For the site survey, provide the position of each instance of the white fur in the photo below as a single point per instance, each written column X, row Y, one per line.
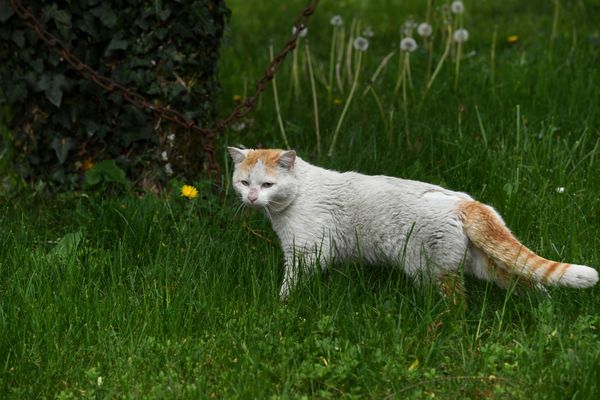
column 321, row 215
column 578, row 276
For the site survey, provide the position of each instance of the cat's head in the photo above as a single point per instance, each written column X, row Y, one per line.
column 264, row 178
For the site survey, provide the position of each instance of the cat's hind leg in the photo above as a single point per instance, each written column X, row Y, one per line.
column 451, row 286
column 483, row 267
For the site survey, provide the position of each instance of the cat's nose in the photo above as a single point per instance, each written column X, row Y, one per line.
column 252, row 196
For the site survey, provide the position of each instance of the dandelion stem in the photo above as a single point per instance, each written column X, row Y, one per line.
column 401, row 67
column 408, row 74
column 378, row 102
column 332, row 61
column 554, row 27
column 429, row 39
column 429, row 46
column 314, row 97
column 340, row 55
column 439, row 65
column 460, row 124
column 405, row 103
column 277, row 108
column 481, row 128
column 349, row 51
column 346, row 106
column 380, row 68
column 493, row 57
column 295, row 83
column 457, row 64
column 518, row 121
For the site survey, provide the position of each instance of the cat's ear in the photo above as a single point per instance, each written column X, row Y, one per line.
column 287, row 159
column 237, row 155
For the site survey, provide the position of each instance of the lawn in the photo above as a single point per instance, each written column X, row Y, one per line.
column 143, row 296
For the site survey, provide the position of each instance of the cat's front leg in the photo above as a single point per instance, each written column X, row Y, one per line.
column 301, row 263
column 291, row 275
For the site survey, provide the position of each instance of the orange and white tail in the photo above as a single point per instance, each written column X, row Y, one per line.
column 487, row 231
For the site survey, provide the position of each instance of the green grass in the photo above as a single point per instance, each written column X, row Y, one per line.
column 155, row 297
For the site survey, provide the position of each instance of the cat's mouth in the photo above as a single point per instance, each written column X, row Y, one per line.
column 255, row 204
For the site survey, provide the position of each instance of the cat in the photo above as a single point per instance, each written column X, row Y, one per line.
column 321, row 216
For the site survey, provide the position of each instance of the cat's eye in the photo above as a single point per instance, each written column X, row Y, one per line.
column 267, row 185
column 245, row 183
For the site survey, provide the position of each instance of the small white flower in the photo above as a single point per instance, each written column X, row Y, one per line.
column 408, row 44
column 361, row 44
column 560, row 189
column 336, row 20
column 171, row 137
column 168, row 169
column 99, row 381
column 457, row 7
column 303, row 31
column 368, row 32
column 461, row 35
column 164, row 156
column 408, row 27
column 238, row 126
column 424, row 29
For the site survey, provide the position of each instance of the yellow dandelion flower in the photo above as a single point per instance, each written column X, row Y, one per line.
column 512, row 39
column 337, row 101
column 237, row 97
column 189, row 191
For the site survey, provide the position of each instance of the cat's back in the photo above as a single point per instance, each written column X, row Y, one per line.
column 354, row 189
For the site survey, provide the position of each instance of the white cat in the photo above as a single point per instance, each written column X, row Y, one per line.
column 321, row 215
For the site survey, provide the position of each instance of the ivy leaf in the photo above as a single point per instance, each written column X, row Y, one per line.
column 19, row 38
column 164, row 14
column 62, row 147
column 88, row 25
column 53, row 88
column 61, row 17
column 117, row 43
column 6, row 11
column 105, row 14
column 17, row 92
column 106, row 170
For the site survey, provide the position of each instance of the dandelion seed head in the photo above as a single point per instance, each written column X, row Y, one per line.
column 168, row 169
column 303, row 31
column 361, row 44
column 189, row 191
column 457, row 7
column 408, row 44
column 461, row 35
column 408, row 27
column 368, row 32
column 336, row 20
column 238, row 126
column 424, row 29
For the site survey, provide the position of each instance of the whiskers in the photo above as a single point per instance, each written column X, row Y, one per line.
column 274, row 206
column 239, row 208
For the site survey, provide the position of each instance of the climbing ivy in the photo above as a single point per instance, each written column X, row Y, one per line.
column 55, row 123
